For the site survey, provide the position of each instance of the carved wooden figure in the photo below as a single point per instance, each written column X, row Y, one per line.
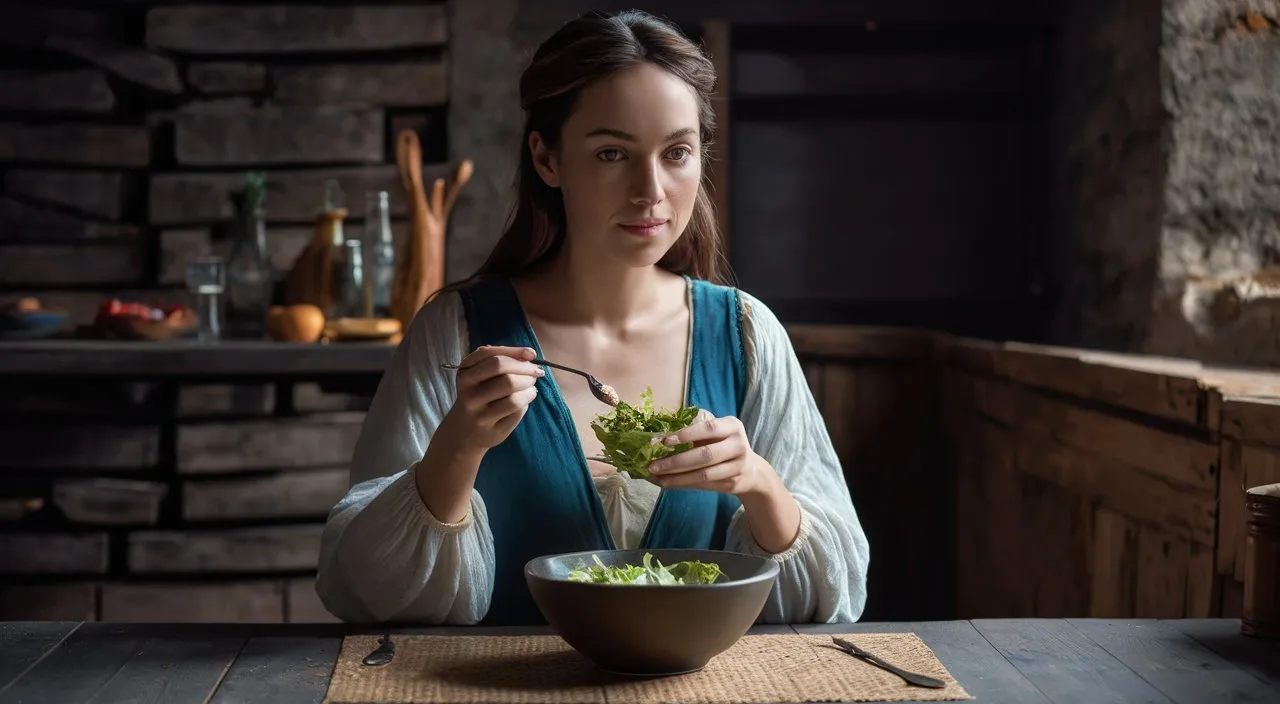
column 420, row 265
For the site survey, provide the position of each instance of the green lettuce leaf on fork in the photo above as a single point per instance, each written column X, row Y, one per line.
column 632, row 437
column 650, row 573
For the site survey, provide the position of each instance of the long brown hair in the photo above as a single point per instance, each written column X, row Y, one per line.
column 581, row 52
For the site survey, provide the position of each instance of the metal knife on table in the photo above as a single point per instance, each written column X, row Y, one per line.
column 914, row 678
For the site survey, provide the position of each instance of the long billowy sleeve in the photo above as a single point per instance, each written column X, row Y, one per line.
column 823, row 575
column 383, row 555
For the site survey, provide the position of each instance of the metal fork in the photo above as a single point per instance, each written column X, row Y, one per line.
column 604, row 392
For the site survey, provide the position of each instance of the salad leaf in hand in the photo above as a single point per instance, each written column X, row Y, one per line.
column 632, row 437
column 652, row 572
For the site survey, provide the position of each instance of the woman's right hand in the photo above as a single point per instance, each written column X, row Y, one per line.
column 495, row 388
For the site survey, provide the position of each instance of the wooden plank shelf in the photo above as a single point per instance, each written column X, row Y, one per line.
column 191, row 359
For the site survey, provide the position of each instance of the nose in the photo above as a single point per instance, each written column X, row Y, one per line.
column 646, row 188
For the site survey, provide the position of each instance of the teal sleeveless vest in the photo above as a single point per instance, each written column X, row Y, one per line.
column 536, row 485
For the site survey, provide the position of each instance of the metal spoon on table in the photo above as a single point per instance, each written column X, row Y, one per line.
column 604, row 392
column 383, row 654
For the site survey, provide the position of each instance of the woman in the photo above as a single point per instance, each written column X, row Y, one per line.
column 610, row 265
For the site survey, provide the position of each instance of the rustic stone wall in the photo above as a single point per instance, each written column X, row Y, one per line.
column 1166, row 176
column 1221, row 87
column 168, row 501
column 122, row 131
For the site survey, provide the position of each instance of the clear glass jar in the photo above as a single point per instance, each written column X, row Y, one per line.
column 206, row 280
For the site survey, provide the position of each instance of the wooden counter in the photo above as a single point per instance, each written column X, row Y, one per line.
column 1102, row 484
column 1013, row 480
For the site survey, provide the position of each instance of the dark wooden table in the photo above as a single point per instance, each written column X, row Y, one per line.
column 1025, row 660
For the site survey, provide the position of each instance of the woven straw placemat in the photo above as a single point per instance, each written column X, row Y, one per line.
column 763, row 669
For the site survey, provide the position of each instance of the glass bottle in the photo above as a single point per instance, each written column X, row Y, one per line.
column 329, row 230
column 380, row 252
column 249, row 275
column 249, row 278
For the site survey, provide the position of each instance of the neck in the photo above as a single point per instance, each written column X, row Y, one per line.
column 595, row 292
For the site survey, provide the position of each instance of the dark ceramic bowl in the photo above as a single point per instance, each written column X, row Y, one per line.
column 651, row 630
column 29, row 325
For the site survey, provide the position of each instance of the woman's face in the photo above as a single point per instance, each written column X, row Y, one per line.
column 629, row 165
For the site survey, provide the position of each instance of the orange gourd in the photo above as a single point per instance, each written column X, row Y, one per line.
column 297, row 323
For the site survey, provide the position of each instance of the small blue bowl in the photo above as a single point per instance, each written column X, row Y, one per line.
column 26, row 325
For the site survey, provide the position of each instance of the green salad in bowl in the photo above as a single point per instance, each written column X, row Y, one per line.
column 650, row 572
column 632, row 436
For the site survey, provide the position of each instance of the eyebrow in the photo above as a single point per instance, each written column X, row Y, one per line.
column 619, row 134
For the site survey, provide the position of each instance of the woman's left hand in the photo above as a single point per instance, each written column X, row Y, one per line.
column 721, row 460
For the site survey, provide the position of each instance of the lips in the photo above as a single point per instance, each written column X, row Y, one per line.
column 644, row 228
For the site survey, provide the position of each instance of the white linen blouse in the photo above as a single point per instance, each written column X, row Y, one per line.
column 384, row 556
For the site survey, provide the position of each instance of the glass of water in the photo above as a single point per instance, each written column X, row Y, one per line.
column 207, row 279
